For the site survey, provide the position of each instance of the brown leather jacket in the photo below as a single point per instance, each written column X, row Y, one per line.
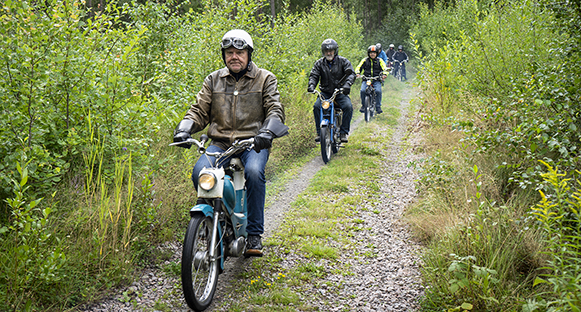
column 235, row 109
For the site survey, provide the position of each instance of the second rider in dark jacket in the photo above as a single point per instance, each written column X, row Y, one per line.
column 329, row 70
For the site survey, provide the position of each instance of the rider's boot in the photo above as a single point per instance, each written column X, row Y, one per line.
column 253, row 246
column 378, row 110
column 344, row 138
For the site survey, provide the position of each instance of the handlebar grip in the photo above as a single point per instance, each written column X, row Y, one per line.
column 204, row 138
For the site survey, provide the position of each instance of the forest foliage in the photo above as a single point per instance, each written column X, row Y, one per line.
column 92, row 91
column 501, row 79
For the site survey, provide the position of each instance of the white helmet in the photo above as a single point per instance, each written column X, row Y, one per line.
column 391, row 46
column 237, row 38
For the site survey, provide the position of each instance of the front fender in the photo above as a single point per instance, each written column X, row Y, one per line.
column 206, row 209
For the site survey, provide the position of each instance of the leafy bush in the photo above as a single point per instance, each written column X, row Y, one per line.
column 517, row 99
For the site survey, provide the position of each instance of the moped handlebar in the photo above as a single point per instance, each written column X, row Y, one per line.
column 236, row 147
column 371, row 78
column 337, row 91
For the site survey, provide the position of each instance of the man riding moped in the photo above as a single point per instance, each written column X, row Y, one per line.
column 240, row 101
column 371, row 66
column 329, row 70
column 400, row 58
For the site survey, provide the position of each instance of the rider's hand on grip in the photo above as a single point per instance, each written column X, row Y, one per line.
column 263, row 140
column 182, row 137
column 346, row 90
column 311, row 89
column 182, row 132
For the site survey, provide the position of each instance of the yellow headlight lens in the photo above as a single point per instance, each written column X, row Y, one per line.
column 368, row 82
column 207, row 181
column 326, row 104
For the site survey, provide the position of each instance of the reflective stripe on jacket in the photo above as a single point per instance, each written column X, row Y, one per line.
column 371, row 68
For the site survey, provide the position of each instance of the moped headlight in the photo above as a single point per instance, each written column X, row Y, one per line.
column 326, row 104
column 207, row 181
column 368, row 82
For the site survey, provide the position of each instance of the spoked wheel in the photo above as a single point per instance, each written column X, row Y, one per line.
column 398, row 73
column 368, row 108
column 325, row 144
column 199, row 271
column 337, row 136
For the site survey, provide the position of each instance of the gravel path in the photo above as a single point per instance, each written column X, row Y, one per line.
column 388, row 282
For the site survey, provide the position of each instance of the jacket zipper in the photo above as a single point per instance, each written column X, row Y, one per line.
column 234, row 111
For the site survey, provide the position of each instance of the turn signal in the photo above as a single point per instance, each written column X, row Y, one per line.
column 207, row 181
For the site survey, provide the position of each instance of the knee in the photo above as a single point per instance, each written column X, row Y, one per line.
column 254, row 173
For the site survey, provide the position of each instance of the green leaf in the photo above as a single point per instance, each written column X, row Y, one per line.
column 466, row 306
column 539, row 280
column 453, row 288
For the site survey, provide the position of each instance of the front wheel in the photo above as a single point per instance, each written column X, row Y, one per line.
column 199, row 271
column 398, row 74
column 368, row 108
column 325, row 144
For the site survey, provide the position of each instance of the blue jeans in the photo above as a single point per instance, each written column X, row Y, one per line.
column 342, row 101
column 254, row 164
column 377, row 86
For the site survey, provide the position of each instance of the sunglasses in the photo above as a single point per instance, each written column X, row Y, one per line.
column 238, row 43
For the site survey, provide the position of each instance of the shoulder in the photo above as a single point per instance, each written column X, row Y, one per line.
column 261, row 72
column 222, row 72
column 342, row 59
column 319, row 61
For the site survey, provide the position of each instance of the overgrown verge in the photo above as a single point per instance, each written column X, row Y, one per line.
column 500, row 105
column 89, row 103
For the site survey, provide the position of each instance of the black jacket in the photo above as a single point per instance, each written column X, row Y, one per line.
column 390, row 52
column 400, row 56
column 330, row 77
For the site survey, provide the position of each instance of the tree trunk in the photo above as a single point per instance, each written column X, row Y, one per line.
column 366, row 17
column 379, row 15
column 272, row 12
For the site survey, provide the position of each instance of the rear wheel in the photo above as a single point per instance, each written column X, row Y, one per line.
column 199, row 271
column 325, row 144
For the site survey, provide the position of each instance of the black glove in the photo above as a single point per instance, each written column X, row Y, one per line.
column 310, row 88
column 182, row 132
column 346, row 90
column 262, row 140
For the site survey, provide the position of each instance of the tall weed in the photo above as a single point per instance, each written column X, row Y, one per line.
column 559, row 216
